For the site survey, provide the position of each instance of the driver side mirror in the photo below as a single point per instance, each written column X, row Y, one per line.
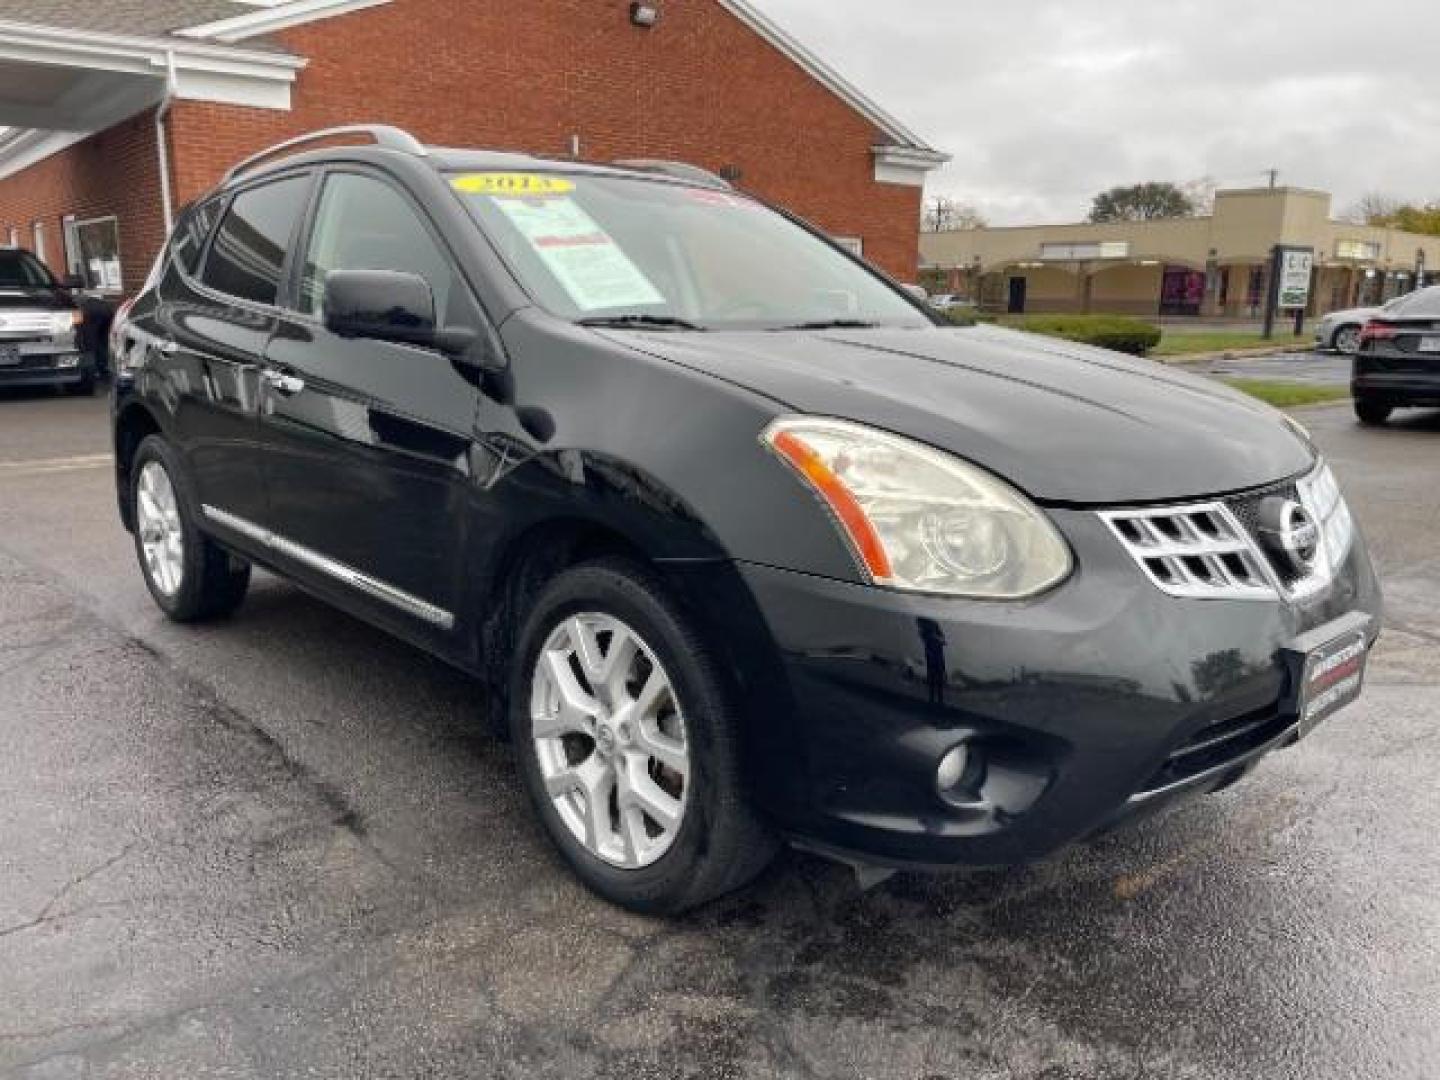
column 73, row 282
column 388, row 305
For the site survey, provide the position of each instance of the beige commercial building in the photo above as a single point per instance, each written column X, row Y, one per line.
column 1213, row 267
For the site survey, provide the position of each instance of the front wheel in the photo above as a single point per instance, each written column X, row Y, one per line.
column 1372, row 413
column 190, row 577
column 628, row 743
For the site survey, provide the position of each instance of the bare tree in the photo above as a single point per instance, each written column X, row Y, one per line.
column 1372, row 208
column 943, row 214
column 1201, row 193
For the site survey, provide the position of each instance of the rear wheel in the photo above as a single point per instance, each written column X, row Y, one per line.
column 189, row 576
column 1372, row 413
column 1347, row 340
column 628, row 743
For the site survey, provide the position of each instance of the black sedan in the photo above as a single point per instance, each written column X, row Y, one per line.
column 1398, row 364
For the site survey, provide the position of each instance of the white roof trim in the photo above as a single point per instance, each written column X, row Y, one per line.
column 275, row 16
column 33, row 43
column 827, row 76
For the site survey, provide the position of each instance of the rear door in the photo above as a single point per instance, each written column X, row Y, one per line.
column 210, row 329
column 367, row 443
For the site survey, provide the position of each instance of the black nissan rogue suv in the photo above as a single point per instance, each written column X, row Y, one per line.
column 743, row 543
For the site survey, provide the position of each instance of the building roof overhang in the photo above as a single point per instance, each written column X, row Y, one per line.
column 58, row 85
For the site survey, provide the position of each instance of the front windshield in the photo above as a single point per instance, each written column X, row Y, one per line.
column 21, row 270
column 621, row 249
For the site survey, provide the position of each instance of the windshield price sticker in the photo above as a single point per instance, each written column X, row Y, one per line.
column 584, row 258
column 512, row 185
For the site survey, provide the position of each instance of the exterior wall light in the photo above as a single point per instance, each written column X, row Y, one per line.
column 644, row 15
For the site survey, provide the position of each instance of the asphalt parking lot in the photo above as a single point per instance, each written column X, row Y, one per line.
column 284, row 846
column 1328, row 368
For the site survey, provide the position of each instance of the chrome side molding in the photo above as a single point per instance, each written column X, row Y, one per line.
column 356, row 579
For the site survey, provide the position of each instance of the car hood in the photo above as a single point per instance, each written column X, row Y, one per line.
column 1065, row 423
column 36, row 298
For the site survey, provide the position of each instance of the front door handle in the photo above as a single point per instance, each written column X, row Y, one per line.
column 283, row 384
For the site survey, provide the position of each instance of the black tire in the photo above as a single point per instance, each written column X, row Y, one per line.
column 213, row 583
column 721, row 844
column 1346, row 340
column 1372, row 413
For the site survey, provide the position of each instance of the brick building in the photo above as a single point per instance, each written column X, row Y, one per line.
column 119, row 113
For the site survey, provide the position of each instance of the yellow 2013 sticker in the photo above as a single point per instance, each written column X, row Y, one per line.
column 515, row 185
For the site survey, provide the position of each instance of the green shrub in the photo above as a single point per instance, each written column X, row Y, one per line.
column 1117, row 332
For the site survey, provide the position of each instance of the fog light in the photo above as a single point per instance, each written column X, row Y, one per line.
column 67, row 361
column 952, row 768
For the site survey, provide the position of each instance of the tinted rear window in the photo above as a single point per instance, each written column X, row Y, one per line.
column 248, row 254
column 1424, row 304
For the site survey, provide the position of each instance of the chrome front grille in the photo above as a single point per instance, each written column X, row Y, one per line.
column 1199, row 552
column 1212, row 550
column 26, row 324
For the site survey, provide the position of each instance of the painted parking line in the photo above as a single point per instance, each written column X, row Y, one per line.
column 42, row 466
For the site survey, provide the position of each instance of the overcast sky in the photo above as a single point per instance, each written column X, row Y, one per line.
column 1043, row 103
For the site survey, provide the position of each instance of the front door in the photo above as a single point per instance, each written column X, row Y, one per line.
column 1017, row 296
column 368, row 443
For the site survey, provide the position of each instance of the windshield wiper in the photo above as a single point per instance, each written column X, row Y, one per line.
column 833, row 324
column 640, row 322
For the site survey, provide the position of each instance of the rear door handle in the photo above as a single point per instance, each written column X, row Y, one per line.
column 283, row 384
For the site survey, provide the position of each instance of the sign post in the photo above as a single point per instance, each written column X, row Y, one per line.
column 1291, row 271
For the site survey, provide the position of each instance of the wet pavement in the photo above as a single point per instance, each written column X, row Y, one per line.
column 285, row 846
column 1309, row 367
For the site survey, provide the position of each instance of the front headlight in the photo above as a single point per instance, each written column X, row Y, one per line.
column 64, row 322
column 918, row 519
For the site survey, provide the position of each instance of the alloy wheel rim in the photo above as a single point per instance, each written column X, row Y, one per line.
column 610, row 740
column 1348, row 341
column 158, row 521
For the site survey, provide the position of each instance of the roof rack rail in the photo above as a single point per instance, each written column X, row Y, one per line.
column 392, row 138
column 680, row 170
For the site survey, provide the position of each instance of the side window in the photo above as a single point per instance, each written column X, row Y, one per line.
column 248, row 254
column 365, row 224
column 191, row 234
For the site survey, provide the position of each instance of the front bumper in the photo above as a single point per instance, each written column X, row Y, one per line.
column 1093, row 702
column 44, row 364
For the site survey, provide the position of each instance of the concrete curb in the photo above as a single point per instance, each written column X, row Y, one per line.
column 1234, row 354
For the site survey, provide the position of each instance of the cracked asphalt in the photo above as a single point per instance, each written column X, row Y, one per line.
column 285, row 846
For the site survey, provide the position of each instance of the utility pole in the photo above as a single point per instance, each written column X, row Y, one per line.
column 1274, row 177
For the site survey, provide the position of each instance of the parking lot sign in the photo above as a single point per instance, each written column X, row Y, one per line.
column 1296, row 267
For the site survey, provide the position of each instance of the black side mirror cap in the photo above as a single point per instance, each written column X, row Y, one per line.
column 73, row 282
column 386, row 305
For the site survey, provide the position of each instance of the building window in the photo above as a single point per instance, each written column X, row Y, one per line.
column 39, row 248
column 14, row 237
column 852, row 244
column 1085, row 250
column 92, row 252
column 1363, row 250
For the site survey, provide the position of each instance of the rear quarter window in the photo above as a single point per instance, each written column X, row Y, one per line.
column 191, row 234
column 248, row 254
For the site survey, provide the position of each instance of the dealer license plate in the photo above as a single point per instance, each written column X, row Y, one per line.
column 1331, row 679
column 1430, row 344
column 9, row 355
